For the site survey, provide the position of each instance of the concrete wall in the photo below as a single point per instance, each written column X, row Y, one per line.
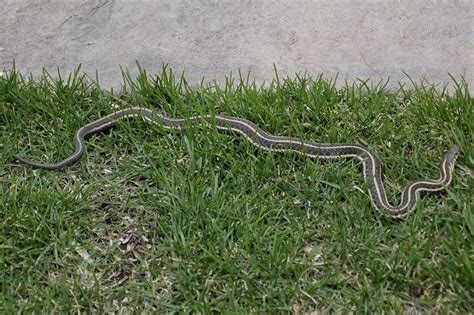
column 357, row 39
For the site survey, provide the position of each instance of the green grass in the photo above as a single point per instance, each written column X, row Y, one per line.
column 201, row 221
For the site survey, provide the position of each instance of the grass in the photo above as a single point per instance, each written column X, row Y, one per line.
column 201, row 221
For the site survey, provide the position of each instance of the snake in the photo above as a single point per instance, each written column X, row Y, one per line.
column 372, row 169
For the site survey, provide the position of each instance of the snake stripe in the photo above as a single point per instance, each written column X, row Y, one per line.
column 371, row 164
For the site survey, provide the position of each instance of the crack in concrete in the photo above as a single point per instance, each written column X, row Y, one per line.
column 367, row 64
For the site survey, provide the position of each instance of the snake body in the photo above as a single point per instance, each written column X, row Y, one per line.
column 371, row 163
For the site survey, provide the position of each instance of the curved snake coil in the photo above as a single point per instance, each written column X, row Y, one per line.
column 371, row 163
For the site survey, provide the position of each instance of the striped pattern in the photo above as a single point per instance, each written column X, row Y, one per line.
column 371, row 163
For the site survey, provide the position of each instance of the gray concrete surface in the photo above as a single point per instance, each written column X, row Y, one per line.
column 357, row 39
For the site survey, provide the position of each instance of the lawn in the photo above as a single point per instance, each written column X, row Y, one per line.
column 201, row 221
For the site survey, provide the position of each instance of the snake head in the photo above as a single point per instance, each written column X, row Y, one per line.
column 452, row 155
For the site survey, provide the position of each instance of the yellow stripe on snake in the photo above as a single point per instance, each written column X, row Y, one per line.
column 371, row 163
